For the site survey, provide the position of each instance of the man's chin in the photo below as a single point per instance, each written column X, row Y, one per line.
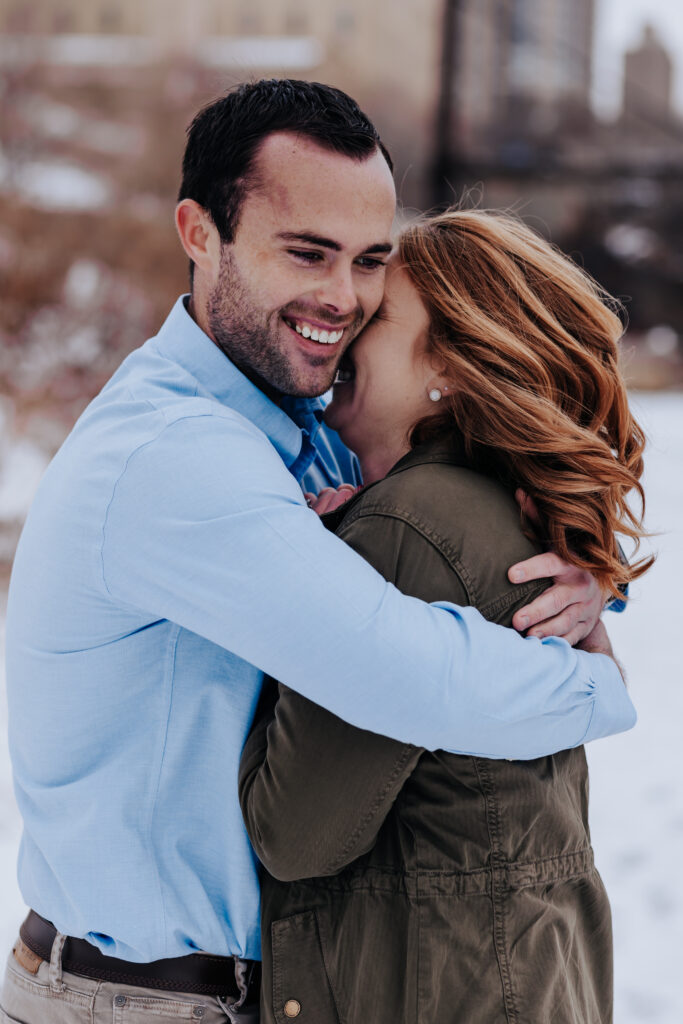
column 310, row 385
column 311, row 391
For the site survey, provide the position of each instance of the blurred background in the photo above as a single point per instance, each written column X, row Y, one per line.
column 567, row 111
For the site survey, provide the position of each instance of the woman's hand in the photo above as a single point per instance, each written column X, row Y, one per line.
column 330, row 498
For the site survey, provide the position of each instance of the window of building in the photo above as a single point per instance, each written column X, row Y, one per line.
column 64, row 20
column 21, row 18
column 296, row 23
column 523, row 18
column 110, row 19
column 250, row 21
column 344, row 21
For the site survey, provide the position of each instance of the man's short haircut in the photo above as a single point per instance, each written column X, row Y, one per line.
column 224, row 137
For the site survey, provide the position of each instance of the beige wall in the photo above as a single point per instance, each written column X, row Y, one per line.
column 47, row 16
column 385, row 53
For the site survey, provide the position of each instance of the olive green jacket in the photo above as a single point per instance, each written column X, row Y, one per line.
column 413, row 886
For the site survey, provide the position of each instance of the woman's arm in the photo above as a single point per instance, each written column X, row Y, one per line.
column 314, row 790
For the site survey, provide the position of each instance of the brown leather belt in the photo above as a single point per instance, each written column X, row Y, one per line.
column 197, row 973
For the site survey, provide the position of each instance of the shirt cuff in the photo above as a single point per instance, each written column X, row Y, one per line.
column 613, row 710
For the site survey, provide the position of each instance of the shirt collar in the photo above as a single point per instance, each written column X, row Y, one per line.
column 287, row 427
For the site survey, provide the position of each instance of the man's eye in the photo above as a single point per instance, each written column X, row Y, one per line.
column 306, row 255
column 371, row 262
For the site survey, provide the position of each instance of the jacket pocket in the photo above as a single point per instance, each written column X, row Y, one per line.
column 302, row 993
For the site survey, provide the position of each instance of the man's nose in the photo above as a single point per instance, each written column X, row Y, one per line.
column 337, row 292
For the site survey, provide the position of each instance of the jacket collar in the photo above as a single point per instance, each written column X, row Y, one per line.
column 446, row 450
column 449, row 450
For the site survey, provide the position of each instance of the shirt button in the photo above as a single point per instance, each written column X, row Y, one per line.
column 198, row 1011
column 292, row 1008
column 119, row 1000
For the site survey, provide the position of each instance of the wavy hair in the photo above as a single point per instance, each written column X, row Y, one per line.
column 529, row 342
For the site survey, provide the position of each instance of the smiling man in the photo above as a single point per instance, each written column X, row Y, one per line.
column 305, row 269
column 170, row 559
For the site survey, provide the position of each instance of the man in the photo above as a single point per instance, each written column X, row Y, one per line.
column 170, row 559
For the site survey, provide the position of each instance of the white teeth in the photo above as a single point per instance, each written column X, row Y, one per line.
column 321, row 336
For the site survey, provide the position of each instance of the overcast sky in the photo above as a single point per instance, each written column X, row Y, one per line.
column 618, row 27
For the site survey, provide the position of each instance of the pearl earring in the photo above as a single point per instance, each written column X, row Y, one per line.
column 435, row 395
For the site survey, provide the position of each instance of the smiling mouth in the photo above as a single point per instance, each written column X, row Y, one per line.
column 315, row 332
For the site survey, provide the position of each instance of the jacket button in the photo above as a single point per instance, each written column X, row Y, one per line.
column 292, row 1008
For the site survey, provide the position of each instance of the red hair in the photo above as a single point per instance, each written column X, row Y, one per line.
column 529, row 342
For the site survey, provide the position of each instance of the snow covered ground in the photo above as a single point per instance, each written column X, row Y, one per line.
column 637, row 779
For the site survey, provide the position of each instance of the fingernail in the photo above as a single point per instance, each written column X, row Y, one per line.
column 516, row 575
column 524, row 621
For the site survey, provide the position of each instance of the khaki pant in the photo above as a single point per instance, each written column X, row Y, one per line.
column 41, row 993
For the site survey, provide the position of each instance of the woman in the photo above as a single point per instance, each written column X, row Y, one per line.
column 435, row 887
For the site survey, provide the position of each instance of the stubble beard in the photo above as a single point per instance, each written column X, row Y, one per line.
column 252, row 340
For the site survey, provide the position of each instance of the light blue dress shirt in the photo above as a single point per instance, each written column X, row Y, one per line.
column 168, row 560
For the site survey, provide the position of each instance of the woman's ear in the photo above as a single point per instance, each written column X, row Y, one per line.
column 438, row 384
column 199, row 236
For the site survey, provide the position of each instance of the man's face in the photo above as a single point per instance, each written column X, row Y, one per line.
column 306, row 269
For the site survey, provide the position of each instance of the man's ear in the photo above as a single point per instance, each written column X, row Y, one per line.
column 199, row 236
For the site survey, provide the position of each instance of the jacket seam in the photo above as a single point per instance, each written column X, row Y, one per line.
column 323, row 955
column 501, row 603
column 399, row 765
column 489, row 609
column 439, row 543
column 493, row 823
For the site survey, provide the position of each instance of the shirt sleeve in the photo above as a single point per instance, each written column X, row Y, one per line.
column 315, row 791
column 207, row 528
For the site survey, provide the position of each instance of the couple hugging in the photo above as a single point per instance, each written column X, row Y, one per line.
column 295, row 716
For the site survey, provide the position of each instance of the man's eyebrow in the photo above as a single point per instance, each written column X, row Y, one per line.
column 328, row 243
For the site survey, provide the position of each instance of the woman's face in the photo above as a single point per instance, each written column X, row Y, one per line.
column 390, row 375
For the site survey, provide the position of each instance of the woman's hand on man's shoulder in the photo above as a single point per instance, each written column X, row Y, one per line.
column 330, row 498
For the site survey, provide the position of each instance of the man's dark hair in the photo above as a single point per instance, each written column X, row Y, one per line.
column 225, row 135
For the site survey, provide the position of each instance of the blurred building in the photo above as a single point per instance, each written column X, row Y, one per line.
column 524, row 73
column 648, row 77
column 384, row 54
column 492, row 95
column 549, row 61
